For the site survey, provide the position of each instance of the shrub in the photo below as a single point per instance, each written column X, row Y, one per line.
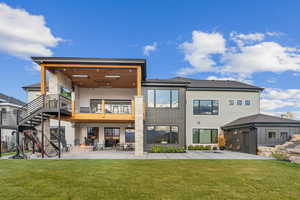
column 221, row 141
column 280, row 156
column 199, row 147
column 166, row 149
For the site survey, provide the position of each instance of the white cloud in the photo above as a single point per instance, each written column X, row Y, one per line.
column 273, row 98
column 242, row 39
column 254, row 55
column 199, row 52
column 23, row 34
column 149, row 48
column 274, row 34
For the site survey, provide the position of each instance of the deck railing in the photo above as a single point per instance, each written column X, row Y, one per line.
column 109, row 106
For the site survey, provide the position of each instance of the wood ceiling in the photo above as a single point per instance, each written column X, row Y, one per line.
column 96, row 77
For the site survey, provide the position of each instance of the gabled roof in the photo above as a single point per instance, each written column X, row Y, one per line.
column 193, row 84
column 11, row 100
column 260, row 119
column 108, row 61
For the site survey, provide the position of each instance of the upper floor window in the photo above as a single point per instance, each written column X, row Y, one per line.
column 163, row 98
column 231, row 102
column 205, row 107
column 247, row 102
column 239, row 102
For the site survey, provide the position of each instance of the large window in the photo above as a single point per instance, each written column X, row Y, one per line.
column 205, row 107
column 129, row 135
column 205, row 136
column 163, row 98
column 162, row 135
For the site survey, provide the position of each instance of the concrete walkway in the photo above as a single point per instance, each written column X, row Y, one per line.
column 188, row 155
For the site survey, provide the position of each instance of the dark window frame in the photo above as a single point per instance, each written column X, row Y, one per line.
column 212, row 106
column 239, row 101
column 247, row 102
column 170, row 102
column 211, row 135
column 170, row 131
column 132, row 139
column 271, row 134
column 284, row 133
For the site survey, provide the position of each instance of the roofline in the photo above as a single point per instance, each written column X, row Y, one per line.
column 224, row 89
column 262, row 124
column 163, row 84
column 80, row 60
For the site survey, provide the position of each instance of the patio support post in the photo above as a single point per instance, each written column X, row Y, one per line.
column 59, row 134
column 0, row 134
column 43, row 79
column 139, row 126
column 0, row 143
column 17, row 137
column 33, row 143
column 43, row 143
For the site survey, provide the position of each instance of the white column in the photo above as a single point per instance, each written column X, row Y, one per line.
column 139, row 126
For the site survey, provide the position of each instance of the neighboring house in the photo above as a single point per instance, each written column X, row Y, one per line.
column 8, row 114
column 247, row 133
column 111, row 102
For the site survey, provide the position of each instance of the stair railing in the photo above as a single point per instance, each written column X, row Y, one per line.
column 28, row 109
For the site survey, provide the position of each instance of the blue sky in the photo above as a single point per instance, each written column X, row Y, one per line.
column 253, row 41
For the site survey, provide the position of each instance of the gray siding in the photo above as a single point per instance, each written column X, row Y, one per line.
column 264, row 140
column 242, row 140
column 166, row 116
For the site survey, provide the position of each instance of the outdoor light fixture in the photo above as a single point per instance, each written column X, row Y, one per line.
column 80, row 75
column 112, row 76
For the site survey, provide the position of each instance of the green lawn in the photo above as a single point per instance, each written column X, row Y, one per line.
column 148, row 179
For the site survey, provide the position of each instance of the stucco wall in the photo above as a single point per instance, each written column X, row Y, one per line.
column 226, row 114
column 31, row 95
column 85, row 94
column 57, row 80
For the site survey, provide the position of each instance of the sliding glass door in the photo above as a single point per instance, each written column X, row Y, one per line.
column 111, row 136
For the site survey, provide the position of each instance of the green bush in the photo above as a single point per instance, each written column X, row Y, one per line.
column 280, row 156
column 166, row 149
column 199, row 147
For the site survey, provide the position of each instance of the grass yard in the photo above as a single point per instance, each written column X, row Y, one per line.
column 148, row 179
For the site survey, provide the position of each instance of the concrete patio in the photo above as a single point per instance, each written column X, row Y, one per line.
column 188, row 155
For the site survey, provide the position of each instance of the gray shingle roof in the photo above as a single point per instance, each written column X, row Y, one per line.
column 36, row 86
column 260, row 119
column 7, row 99
column 206, row 84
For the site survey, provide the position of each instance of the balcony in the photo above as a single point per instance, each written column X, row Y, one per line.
column 106, row 111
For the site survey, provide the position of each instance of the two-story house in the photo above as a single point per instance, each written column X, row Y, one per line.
column 111, row 102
